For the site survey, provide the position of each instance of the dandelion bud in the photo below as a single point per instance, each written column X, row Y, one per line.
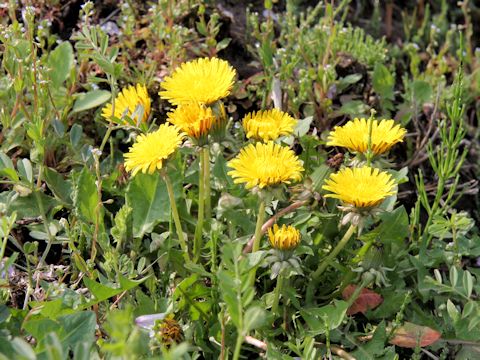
column 284, row 238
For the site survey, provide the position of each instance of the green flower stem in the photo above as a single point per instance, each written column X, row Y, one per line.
column 206, row 173
column 369, row 153
column 257, row 237
column 197, row 243
column 176, row 218
column 325, row 263
column 278, row 291
column 238, row 346
column 258, row 227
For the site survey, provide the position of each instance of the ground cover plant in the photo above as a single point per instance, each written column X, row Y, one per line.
column 232, row 180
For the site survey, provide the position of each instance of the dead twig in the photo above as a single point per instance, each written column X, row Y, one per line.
column 255, row 342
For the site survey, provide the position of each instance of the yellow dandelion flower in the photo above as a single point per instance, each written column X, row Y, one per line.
column 149, row 151
column 268, row 124
column 361, row 187
column 284, row 238
column 265, row 165
column 193, row 119
column 203, row 80
column 127, row 102
column 354, row 135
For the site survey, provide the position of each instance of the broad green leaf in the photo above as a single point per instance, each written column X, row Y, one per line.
column 303, row 126
column 69, row 329
column 392, row 229
column 27, row 206
column 147, row 196
column 60, row 187
column 422, row 91
column 255, row 317
column 61, row 62
column 376, row 346
column 228, row 285
column 467, row 283
column 453, row 275
column 52, row 348
column 23, row 349
column 90, row 100
column 122, row 230
column 383, row 81
column 25, row 170
column 85, row 196
column 354, row 108
column 103, row 292
column 6, row 167
column 452, row 311
column 76, row 132
column 328, row 317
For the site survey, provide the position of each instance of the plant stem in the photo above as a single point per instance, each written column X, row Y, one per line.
column 258, row 227
column 197, row 243
column 323, row 265
column 258, row 237
column 238, row 346
column 4, row 243
column 51, row 238
column 176, row 218
column 369, row 146
column 278, row 290
column 206, row 182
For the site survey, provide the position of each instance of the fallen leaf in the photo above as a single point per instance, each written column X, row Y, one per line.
column 410, row 334
column 367, row 300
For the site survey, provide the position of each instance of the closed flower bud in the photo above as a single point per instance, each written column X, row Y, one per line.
column 284, row 238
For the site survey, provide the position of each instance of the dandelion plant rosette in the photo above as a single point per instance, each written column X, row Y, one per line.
column 148, row 155
column 132, row 101
column 361, row 191
column 204, row 80
column 355, row 134
column 268, row 125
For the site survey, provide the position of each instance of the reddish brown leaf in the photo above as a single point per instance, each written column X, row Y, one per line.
column 409, row 335
column 367, row 300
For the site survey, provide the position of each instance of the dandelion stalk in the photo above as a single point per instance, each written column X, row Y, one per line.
column 206, row 183
column 258, row 227
column 369, row 153
column 176, row 217
column 238, row 346
column 278, row 291
column 324, row 264
column 197, row 243
column 258, row 236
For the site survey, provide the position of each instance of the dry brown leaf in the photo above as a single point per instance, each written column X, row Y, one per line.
column 367, row 300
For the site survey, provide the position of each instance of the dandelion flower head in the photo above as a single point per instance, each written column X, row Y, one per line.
column 127, row 102
column 265, row 164
column 284, row 238
column 355, row 133
column 362, row 187
column 193, row 119
column 268, row 125
column 204, row 80
column 149, row 151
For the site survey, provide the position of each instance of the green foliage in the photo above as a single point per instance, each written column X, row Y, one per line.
column 85, row 248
